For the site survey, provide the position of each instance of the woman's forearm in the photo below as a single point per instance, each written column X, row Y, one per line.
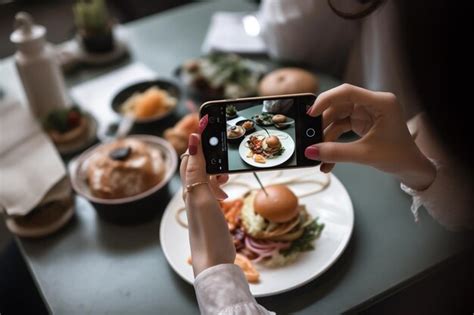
column 209, row 237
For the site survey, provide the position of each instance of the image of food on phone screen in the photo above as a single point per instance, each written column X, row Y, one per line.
column 261, row 135
column 247, row 135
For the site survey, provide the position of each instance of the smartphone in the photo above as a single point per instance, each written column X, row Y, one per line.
column 259, row 133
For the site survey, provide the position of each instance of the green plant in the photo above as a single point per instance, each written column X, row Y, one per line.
column 91, row 16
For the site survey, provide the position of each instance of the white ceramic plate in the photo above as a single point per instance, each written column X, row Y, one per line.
column 286, row 141
column 333, row 206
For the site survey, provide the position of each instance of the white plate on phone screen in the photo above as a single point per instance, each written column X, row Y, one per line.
column 333, row 206
column 286, row 141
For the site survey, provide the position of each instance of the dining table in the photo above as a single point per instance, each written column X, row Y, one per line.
column 96, row 267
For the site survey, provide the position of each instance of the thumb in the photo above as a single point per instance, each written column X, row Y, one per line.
column 332, row 152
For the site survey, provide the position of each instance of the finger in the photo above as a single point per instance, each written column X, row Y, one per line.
column 332, row 152
column 332, row 114
column 336, row 129
column 222, row 178
column 343, row 94
column 218, row 192
column 196, row 165
column 332, row 133
column 327, row 167
column 203, row 123
column 183, row 166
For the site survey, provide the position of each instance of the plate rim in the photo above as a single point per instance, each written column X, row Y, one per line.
column 333, row 259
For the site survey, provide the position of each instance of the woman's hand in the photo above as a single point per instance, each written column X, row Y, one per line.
column 193, row 170
column 209, row 237
column 385, row 142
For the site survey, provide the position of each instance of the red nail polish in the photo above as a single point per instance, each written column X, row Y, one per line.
column 203, row 123
column 312, row 153
column 192, row 144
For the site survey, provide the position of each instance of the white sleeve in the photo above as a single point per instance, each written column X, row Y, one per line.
column 304, row 31
column 223, row 290
column 448, row 199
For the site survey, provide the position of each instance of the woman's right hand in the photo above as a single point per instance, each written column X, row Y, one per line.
column 385, row 142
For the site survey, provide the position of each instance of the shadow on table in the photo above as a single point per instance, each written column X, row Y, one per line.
column 315, row 290
column 184, row 287
column 123, row 239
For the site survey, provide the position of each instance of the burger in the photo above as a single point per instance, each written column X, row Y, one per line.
column 272, row 146
column 276, row 226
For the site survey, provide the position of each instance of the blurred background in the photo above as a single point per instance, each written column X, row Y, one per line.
column 57, row 16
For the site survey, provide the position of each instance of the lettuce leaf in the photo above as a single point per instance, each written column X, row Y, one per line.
column 305, row 242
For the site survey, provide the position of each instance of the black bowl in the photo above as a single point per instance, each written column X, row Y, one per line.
column 127, row 210
column 247, row 131
column 237, row 139
column 169, row 86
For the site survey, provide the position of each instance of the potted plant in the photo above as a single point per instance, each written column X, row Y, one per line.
column 94, row 26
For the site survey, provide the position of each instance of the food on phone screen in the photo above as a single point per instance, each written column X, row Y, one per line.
column 235, row 132
column 262, row 148
column 263, row 119
column 279, row 118
column 230, row 111
column 248, row 125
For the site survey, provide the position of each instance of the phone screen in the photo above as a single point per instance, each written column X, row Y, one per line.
column 259, row 133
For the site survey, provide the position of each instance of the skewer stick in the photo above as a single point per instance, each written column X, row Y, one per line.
column 260, row 183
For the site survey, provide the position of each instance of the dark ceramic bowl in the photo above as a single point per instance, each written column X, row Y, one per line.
column 129, row 210
column 247, row 131
column 238, row 139
column 169, row 86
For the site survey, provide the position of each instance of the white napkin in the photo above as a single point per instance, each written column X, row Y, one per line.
column 234, row 32
column 29, row 163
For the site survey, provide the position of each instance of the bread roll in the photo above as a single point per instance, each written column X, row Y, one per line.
column 288, row 81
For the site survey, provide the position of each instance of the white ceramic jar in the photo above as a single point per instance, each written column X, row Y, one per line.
column 38, row 67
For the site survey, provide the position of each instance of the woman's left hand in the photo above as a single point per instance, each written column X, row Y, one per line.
column 193, row 166
column 209, row 237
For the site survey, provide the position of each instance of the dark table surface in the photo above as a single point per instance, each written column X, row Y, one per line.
column 94, row 267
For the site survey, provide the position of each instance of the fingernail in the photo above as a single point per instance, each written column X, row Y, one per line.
column 193, row 143
column 309, row 110
column 203, row 123
column 312, row 153
column 224, row 196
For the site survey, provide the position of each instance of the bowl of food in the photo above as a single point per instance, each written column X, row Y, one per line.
column 126, row 179
column 230, row 112
column 147, row 101
column 71, row 129
column 220, row 75
column 247, row 124
column 235, row 134
column 263, row 119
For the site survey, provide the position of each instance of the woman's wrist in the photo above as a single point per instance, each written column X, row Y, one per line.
column 419, row 174
column 199, row 196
